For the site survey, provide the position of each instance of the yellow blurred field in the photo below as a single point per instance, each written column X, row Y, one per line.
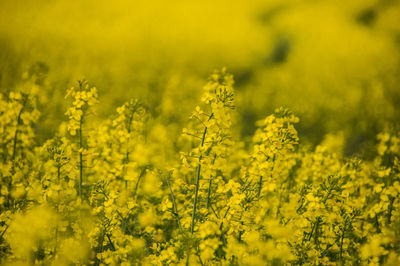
column 199, row 133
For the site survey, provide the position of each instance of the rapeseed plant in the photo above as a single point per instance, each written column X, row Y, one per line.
column 125, row 190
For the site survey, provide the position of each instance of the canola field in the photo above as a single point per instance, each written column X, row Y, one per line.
column 200, row 133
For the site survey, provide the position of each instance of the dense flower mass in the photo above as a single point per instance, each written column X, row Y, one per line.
column 126, row 191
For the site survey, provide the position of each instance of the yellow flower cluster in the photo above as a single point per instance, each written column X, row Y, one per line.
column 123, row 191
column 83, row 97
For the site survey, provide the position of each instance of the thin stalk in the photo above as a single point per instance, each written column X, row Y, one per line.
column 55, row 242
column 126, row 159
column 209, row 193
column 111, row 243
column 260, row 185
column 312, row 231
column 80, row 158
column 14, row 154
column 197, row 183
column 125, row 169
column 390, row 210
column 260, row 182
column 4, row 231
column 197, row 186
column 198, row 179
column 174, row 203
column 58, row 193
column 198, row 255
column 102, row 240
column 58, row 173
column 125, row 225
column 209, row 186
column 341, row 245
column 80, row 146
column 142, row 172
column 19, row 120
column 187, row 258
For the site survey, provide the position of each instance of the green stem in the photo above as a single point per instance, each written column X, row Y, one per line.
column 341, row 245
column 4, row 231
column 260, row 185
column 210, row 186
column 14, row 154
column 198, row 178
column 80, row 145
column 58, row 173
column 126, row 159
column 80, row 158
column 187, row 257
column 175, row 206
column 312, row 230
column 196, row 192
column 390, row 210
column 209, row 193
column 19, row 120
column 56, row 240
column 142, row 172
column 111, row 243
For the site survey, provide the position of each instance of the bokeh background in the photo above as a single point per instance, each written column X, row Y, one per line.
column 335, row 64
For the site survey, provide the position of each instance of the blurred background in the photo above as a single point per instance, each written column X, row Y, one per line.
column 335, row 64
